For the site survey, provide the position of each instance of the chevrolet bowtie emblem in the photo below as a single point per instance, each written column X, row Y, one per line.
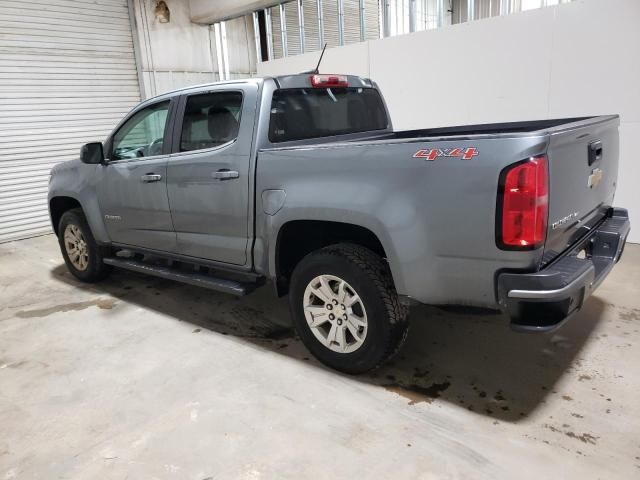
column 594, row 178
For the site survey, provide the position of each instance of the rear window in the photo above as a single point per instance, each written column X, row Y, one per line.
column 300, row 113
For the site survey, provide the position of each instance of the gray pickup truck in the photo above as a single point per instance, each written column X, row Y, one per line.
column 301, row 180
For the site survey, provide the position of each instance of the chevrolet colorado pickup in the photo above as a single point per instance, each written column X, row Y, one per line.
column 301, row 181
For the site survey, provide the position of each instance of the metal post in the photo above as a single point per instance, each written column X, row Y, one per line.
column 363, row 33
column 301, row 24
column 225, row 50
column 504, row 7
column 256, row 36
column 440, row 13
column 340, row 22
column 283, row 31
column 386, row 31
column 412, row 15
column 267, row 21
column 471, row 10
column 219, row 53
column 320, row 23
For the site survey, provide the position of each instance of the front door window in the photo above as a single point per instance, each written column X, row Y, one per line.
column 143, row 134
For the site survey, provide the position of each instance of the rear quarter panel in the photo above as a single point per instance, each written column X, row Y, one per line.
column 435, row 219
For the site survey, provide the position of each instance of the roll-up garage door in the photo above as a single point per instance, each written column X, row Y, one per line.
column 67, row 76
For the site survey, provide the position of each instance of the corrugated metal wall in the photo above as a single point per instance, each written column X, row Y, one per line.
column 276, row 32
column 331, row 31
column 67, row 76
column 293, row 28
column 313, row 40
column 311, row 30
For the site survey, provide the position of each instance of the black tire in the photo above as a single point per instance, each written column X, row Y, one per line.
column 370, row 277
column 95, row 269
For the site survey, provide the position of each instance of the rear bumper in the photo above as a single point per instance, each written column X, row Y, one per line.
column 543, row 300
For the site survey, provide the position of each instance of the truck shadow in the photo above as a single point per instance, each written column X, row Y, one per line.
column 474, row 361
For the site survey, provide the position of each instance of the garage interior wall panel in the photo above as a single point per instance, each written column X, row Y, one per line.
column 351, row 21
column 330, row 15
column 241, row 47
column 371, row 19
column 67, row 76
column 293, row 28
column 311, row 25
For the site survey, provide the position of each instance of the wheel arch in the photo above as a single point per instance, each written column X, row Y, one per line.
column 64, row 201
column 297, row 238
column 58, row 206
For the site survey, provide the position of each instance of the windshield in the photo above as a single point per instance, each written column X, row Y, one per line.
column 300, row 113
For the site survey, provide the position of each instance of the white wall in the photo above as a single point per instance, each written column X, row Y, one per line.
column 175, row 54
column 581, row 58
column 181, row 53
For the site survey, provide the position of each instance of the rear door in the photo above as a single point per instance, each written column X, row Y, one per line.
column 209, row 173
column 133, row 191
column 583, row 171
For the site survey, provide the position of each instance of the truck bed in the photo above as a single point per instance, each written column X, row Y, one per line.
column 489, row 128
column 443, row 210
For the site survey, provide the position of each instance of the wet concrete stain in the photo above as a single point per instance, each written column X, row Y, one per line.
column 102, row 303
column 584, row 438
column 629, row 315
column 417, row 393
column 13, row 365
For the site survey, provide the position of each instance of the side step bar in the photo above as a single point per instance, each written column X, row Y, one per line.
column 192, row 278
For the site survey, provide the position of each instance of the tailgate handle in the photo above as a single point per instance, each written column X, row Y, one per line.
column 595, row 151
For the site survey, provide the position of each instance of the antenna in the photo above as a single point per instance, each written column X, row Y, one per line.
column 317, row 69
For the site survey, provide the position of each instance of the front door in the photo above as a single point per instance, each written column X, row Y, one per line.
column 133, row 191
column 209, row 174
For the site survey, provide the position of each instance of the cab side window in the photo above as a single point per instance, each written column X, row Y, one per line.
column 143, row 134
column 210, row 119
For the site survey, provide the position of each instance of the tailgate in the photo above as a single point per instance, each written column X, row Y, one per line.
column 583, row 171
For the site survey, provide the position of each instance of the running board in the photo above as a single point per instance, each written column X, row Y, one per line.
column 192, row 278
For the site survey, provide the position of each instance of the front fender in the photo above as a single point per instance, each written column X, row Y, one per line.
column 78, row 181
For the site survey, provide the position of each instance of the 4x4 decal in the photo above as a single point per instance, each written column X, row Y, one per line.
column 433, row 153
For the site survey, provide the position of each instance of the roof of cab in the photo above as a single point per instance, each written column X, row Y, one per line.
column 299, row 80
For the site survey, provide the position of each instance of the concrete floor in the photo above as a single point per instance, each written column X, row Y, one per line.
column 143, row 378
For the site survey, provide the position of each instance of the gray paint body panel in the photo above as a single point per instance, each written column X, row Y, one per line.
column 436, row 219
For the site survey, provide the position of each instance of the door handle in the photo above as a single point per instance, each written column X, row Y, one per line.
column 151, row 177
column 595, row 151
column 225, row 174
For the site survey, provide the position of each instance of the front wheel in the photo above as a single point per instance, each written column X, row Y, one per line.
column 346, row 309
column 81, row 253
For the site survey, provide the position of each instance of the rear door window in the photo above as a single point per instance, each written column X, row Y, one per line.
column 210, row 120
column 321, row 112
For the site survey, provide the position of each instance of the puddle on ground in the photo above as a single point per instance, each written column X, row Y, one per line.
column 417, row 393
column 103, row 303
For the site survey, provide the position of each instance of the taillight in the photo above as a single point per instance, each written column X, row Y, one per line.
column 523, row 201
column 327, row 81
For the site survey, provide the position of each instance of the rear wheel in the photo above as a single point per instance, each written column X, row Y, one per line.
column 82, row 255
column 346, row 309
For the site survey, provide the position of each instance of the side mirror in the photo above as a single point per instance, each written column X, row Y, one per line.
column 92, row 153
